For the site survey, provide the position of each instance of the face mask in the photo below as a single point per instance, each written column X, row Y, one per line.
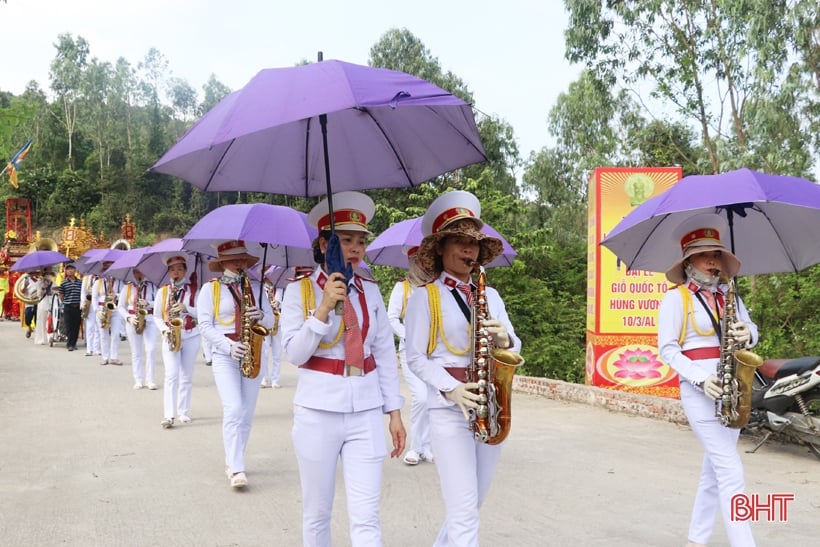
column 702, row 280
column 230, row 277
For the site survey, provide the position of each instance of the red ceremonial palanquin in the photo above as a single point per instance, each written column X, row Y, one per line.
column 11, row 307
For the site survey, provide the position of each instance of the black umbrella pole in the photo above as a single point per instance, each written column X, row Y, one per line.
column 262, row 272
column 340, row 306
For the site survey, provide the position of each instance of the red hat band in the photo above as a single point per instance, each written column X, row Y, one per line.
column 700, row 235
column 343, row 216
column 448, row 216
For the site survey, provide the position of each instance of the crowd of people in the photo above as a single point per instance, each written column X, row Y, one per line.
column 331, row 322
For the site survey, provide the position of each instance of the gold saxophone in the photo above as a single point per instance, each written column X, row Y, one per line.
column 252, row 334
column 735, row 370
column 275, row 307
column 174, row 321
column 108, row 309
column 142, row 312
column 493, row 369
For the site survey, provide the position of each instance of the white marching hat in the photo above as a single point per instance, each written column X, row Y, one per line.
column 233, row 249
column 699, row 234
column 351, row 211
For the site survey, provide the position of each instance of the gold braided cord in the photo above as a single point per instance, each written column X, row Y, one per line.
column 437, row 325
column 308, row 301
column 216, row 289
column 688, row 312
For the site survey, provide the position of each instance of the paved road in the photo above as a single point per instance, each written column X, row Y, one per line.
column 85, row 462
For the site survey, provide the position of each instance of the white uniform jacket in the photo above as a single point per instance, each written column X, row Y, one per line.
column 670, row 316
column 214, row 329
column 100, row 289
column 301, row 338
column 161, row 310
column 129, row 295
column 417, row 321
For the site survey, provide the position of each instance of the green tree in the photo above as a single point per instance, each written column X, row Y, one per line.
column 66, row 75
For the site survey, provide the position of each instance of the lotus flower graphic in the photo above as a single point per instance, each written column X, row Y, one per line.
column 637, row 364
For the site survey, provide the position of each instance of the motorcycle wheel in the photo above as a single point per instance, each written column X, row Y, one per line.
column 812, row 401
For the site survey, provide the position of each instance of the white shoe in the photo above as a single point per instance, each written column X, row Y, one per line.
column 264, row 384
column 138, row 386
column 239, row 480
column 152, row 385
column 183, row 419
column 275, row 385
column 167, row 423
column 426, row 456
column 411, row 457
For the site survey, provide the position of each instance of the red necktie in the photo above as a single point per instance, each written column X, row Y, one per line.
column 354, row 349
column 468, row 292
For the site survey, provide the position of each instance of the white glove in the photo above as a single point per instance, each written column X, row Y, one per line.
column 179, row 308
column 712, row 388
column 238, row 350
column 142, row 303
column 253, row 313
column 132, row 320
column 739, row 330
column 100, row 314
column 463, row 398
column 498, row 332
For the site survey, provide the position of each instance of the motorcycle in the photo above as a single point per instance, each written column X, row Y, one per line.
column 786, row 400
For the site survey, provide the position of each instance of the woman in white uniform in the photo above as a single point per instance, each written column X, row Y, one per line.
column 439, row 346
column 419, row 413
column 222, row 312
column 136, row 297
column 348, row 379
column 689, row 340
column 177, row 299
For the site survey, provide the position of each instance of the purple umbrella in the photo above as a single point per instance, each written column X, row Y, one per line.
column 277, row 234
column 123, row 267
column 289, row 128
column 388, row 249
column 152, row 264
column 85, row 261
column 38, row 260
column 774, row 222
column 95, row 265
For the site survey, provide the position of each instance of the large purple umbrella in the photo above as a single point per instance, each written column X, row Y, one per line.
column 290, row 129
column 95, row 265
column 774, row 222
column 389, row 247
column 85, row 261
column 152, row 264
column 38, row 260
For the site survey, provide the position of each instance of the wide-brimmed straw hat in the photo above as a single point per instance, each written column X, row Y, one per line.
column 233, row 249
column 700, row 234
column 456, row 213
column 351, row 211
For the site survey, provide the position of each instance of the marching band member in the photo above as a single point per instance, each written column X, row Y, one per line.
column 692, row 348
column 91, row 329
column 31, row 286
column 439, row 345
column 137, row 299
column 347, row 380
column 419, row 413
column 223, row 315
column 175, row 302
column 104, row 294
column 272, row 348
column 44, row 308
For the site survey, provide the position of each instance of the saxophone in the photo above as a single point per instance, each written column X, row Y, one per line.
column 108, row 309
column 252, row 334
column 142, row 312
column 174, row 321
column 276, row 308
column 493, row 369
column 735, row 370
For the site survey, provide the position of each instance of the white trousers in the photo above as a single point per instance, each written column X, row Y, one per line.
column 465, row 471
column 238, row 395
column 207, row 350
column 143, row 349
column 320, row 438
column 419, row 413
column 721, row 476
column 41, row 319
column 110, row 337
column 91, row 333
column 272, row 358
column 179, row 376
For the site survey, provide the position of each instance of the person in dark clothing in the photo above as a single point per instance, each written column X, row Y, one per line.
column 70, row 295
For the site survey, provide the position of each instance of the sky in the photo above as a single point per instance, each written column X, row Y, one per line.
column 509, row 54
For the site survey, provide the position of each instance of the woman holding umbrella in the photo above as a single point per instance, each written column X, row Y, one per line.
column 689, row 340
column 221, row 311
column 348, row 378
